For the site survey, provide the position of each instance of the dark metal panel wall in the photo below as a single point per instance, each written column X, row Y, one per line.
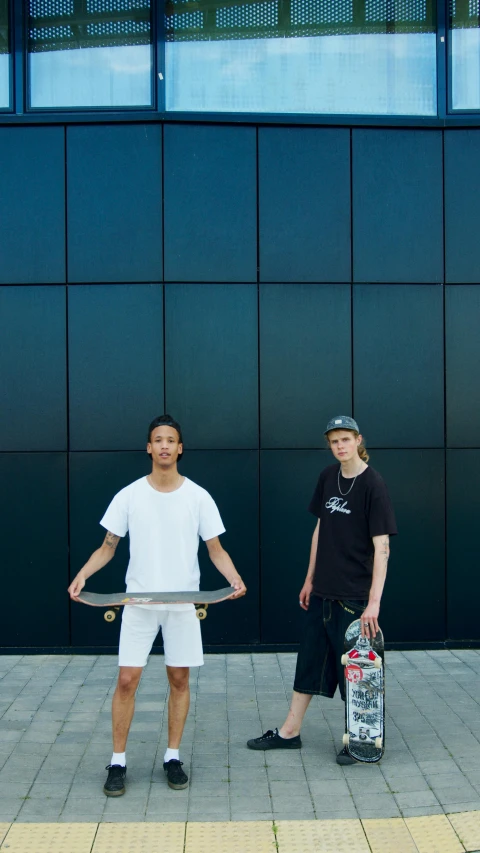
column 463, row 580
column 414, row 604
column 397, row 206
column 462, row 206
column 33, row 368
column 114, row 196
column 301, row 327
column 33, row 509
column 398, row 364
column 212, row 363
column 244, row 363
column 32, row 205
column 304, row 204
column 462, row 350
column 115, row 364
column 94, row 479
column 210, row 203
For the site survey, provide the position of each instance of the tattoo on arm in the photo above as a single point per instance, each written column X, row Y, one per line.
column 385, row 550
column 111, row 540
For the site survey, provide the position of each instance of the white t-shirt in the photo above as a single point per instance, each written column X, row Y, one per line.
column 164, row 529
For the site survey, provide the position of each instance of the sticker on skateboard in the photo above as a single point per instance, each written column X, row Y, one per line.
column 200, row 598
column 363, row 660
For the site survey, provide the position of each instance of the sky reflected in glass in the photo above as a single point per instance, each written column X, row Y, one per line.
column 4, row 81
column 369, row 74
column 465, row 69
column 92, row 77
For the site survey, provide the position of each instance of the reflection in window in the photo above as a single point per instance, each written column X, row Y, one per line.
column 301, row 56
column 465, row 54
column 4, row 57
column 90, row 53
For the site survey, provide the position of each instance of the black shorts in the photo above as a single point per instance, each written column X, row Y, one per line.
column 319, row 670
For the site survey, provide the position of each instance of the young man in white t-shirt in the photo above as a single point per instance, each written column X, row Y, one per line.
column 164, row 514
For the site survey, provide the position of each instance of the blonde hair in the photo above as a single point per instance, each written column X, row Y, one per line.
column 362, row 451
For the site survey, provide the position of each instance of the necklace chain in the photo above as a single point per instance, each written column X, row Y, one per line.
column 344, row 494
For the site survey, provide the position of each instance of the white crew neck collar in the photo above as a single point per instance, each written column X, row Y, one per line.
column 158, row 492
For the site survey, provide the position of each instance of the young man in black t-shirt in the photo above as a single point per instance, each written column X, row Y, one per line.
column 345, row 578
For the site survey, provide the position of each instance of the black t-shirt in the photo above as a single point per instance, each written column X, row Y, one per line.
column 344, row 562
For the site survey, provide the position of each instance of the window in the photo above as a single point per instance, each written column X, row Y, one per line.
column 301, row 56
column 4, row 57
column 465, row 54
column 89, row 53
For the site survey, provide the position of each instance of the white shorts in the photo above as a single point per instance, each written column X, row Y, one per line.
column 182, row 637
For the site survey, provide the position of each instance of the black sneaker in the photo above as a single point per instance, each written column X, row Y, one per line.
column 272, row 740
column 176, row 778
column 344, row 757
column 115, row 784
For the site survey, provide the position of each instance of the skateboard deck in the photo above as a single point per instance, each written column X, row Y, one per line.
column 363, row 660
column 200, row 598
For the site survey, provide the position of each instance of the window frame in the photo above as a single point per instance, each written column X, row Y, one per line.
column 21, row 113
column 22, row 12
column 453, row 111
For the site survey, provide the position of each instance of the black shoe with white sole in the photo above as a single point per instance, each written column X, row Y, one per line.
column 115, row 784
column 272, row 740
column 176, row 778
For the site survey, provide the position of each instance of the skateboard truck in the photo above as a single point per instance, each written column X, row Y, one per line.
column 378, row 741
column 377, row 662
column 200, row 612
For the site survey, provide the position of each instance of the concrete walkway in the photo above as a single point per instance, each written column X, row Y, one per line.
column 55, row 742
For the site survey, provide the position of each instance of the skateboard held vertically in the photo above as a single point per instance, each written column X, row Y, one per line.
column 200, row 598
column 363, row 660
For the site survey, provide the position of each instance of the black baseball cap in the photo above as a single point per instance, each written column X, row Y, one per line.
column 341, row 422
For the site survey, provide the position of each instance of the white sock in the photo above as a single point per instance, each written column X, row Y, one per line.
column 119, row 758
column 171, row 753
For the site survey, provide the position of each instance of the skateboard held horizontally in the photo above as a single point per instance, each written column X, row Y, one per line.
column 363, row 660
column 200, row 598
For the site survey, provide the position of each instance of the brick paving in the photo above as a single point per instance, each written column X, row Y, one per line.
column 55, row 742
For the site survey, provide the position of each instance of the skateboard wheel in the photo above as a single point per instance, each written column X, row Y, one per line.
column 378, row 663
column 344, row 660
column 378, row 742
column 109, row 615
column 201, row 613
column 346, row 739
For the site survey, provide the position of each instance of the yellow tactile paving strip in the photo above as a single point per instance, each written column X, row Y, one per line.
column 455, row 833
column 321, row 836
column 140, row 838
column 434, row 834
column 49, row 838
column 467, row 827
column 389, row 836
column 234, row 837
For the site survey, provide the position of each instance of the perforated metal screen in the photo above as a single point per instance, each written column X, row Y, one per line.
column 197, row 20
column 68, row 24
column 464, row 14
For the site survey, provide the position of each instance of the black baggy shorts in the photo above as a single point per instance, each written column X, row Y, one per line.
column 319, row 670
